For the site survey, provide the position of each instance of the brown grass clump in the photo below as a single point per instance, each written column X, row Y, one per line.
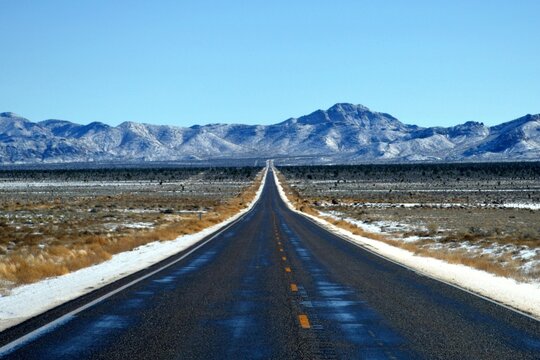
column 355, row 229
column 504, row 266
column 295, row 198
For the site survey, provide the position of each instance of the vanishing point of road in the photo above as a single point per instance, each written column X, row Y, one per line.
column 274, row 285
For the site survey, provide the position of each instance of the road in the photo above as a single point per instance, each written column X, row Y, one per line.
column 276, row 286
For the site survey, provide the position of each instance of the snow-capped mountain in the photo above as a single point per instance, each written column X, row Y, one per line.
column 344, row 133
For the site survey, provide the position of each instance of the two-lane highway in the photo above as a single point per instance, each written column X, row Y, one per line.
column 276, row 286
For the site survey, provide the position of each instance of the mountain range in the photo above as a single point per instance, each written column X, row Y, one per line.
column 345, row 133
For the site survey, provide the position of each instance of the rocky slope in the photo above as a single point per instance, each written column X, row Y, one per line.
column 345, row 133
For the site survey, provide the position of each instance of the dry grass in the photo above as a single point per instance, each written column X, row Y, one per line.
column 295, row 198
column 503, row 266
column 354, row 229
column 74, row 244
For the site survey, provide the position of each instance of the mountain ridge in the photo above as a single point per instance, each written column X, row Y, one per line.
column 344, row 133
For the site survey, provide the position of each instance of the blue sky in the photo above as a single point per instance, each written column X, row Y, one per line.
column 260, row 62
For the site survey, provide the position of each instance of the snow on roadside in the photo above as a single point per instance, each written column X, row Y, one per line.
column 27, row 301
column 521, row 296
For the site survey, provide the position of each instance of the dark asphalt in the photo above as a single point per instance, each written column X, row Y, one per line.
column 235, row 298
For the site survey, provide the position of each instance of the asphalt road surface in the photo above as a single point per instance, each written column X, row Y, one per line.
column 276, row 286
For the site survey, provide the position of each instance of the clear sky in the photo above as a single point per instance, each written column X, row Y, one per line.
column 259, row 62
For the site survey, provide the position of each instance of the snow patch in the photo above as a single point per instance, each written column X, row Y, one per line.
column 527, row 206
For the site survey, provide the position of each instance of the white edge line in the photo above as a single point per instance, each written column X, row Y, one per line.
column 417, row 271
column 34, row 334
column 364, row 247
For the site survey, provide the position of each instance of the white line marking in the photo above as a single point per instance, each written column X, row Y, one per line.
column 34, row 334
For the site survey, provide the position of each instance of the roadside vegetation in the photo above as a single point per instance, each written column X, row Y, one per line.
column 54, row 222
column 486, row 216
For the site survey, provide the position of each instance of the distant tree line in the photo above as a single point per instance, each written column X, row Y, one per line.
column 132, row 174
column 417, row 172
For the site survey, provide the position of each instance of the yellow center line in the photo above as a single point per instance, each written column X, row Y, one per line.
column 304, row 321
column 281, row 249
column 283, row 258
column 287, row 269
column 294, row 288
column 279, row 242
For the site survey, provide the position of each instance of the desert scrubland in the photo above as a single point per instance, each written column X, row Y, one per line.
column 484, row 215
column 57, row 221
